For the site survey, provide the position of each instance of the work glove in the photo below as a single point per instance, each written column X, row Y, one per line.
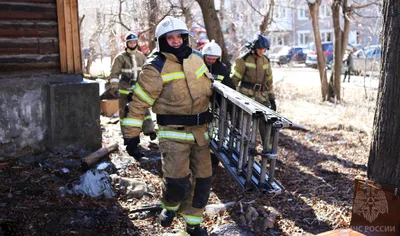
column 114, row 82
column 273, row 105
column 132, row 147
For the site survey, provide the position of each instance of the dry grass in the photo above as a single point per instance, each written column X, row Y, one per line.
column 302, row 103
column 318, row 167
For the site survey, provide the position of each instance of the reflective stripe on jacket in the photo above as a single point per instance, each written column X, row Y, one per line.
column 127, row 66
column 169, row 87
column 253, row 69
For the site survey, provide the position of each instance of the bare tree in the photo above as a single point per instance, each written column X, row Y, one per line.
column 313, row 5
column 112, row 43
column 266, row 18
column 93, row 40
column 152, row 20
column 384, row 157
column 341, row 42
column 213, row 26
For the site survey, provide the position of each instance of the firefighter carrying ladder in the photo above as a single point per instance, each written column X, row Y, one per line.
column 234, row 139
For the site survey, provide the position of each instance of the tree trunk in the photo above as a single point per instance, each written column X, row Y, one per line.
column 113, row 44
column 314, row 12
column 186, row 12
column 222, row 11
column 384, row 157
column 341, row 42
column 93, row 42
column 213, row 27
column 152, row 23
column 266, row 22
column 232, row 32
column 334, row 81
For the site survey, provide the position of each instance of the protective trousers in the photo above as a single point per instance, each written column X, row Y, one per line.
column 148, row 125
column 187, row 170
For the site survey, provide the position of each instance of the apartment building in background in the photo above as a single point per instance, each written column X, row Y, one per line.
column 292, row 24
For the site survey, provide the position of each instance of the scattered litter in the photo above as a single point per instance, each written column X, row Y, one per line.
column 93, row 183
column 213, row 209
column 44, row 165
column 342, row 142
column 102, row 166
column 131, row 187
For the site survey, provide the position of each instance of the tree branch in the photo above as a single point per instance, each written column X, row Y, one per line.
column 162, row 18
column 251, row 5
column 365, row 5
column 120, row 17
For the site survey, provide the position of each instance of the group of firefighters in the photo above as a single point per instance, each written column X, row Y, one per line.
column 176, row 83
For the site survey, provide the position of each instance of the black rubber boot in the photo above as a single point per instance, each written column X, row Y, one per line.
column 196, row 230
column 166, row 217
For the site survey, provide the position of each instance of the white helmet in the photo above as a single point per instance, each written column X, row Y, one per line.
column 212, row 49
column 170, row 25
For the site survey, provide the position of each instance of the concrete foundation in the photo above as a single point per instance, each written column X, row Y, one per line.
column 57, row 112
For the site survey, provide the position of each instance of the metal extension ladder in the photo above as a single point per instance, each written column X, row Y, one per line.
column 234, row 132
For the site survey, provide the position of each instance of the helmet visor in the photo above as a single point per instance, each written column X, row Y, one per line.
column 174, row 32
column 211, row 57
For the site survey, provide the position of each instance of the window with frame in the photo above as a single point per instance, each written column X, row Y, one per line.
column 303, row 37
column 324, row 11
column 326, row 36
column 280, row 13
column 303, row 13
column 277, row 40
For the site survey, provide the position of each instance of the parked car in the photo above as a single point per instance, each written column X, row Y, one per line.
column 327, row 48
column 367, row 59
column 289, row 55
column 273, row 53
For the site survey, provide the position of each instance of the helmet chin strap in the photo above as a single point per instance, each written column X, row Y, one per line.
column 132, row 49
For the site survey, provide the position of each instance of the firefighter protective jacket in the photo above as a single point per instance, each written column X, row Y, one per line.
column 127, row 65
column 221, row 73
column 254, row 70
column 170, row 88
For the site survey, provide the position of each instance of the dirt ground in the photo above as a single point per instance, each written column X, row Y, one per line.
column 317, row 169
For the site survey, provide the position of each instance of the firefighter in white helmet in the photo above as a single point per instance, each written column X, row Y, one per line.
column 212, row 54
column 174, row 83
column 124, row 74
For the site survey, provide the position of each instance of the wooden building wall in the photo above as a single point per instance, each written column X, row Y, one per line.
column 39, row 37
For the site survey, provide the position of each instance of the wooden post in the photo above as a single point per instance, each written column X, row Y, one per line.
column 69, row 37
column 61, row 35
column 76, row 42
column 94, row 157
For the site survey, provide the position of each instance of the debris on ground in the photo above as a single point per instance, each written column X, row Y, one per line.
column 316, row 168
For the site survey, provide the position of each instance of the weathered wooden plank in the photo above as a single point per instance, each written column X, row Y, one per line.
column 75, row 37
column 61, row 36
column 28, row 61
column 10, row 46
column 15, row 28
column 68, row 36
column 29, row 72
column 27, row 11
column 30, row 1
